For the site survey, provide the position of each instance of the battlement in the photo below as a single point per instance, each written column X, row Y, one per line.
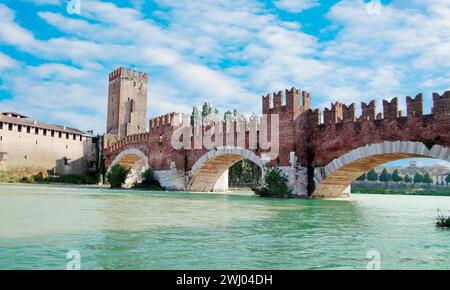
column 289, row 102
column 126, row 72
column 390, row 109
column 414, row 107
column 369, row 111
column 126, row 141
column 341, row 113
column 348, row 113
column 441, row 104
column 333, row 115
column 169, row 119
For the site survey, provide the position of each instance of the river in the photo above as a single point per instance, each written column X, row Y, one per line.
column 123, row 229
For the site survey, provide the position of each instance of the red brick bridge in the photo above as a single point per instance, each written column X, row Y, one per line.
column 321, row 156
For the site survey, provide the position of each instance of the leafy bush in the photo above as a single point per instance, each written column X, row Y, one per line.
column 275, row 185
column 117, row 175
column 149, row 181
column 442, row 220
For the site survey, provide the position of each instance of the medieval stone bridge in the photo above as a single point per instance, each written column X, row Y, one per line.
column 322, row 155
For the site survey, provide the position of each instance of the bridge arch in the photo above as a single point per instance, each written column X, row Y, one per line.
column 133, row 158
column 209, row 173
column 333, row 180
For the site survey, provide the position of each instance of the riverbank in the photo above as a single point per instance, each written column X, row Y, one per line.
column 56, row 185
column 401, row 191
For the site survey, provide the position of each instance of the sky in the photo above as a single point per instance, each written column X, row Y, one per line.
column 54, row 61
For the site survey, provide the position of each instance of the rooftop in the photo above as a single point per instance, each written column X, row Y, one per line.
column 19, row 119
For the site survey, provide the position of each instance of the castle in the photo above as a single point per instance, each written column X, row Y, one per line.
column 320, row 152
column 320, row 156
column 28, row 147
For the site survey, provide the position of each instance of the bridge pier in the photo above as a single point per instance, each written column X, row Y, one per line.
column 171, row 179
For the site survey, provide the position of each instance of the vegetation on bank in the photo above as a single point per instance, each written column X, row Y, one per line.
column 244, row 173
column 117, row 175
column 41, row 178
column 442, row 220
column 149, row 181
column 275, row 184
column 401, row 191
column 386, row 176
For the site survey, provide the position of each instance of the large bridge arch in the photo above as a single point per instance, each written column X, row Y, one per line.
column 333, row 180
column 211, row 169
column 134, row 159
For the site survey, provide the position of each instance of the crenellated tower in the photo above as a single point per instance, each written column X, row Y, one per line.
column 127, row 102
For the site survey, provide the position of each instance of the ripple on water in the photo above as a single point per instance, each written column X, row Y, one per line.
column 141, row 230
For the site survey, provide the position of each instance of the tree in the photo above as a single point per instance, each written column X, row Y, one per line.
column 372, row 175
column 275, row 184
column 407, row 179
column 385, row 176
column 117, row 175
column 244, row 172
column 418, row 178
column 362, row 177
column 206, row 109
column 447, row 179
column 427, row 178
column 149, row 180
column 396, row 176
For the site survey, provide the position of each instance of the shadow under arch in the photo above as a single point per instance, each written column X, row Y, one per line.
column 334, row 180
column 210, row 172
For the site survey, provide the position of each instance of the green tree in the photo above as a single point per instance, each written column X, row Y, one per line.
column 427, row 178
column 362, row 177
column 447, row 179
column 385, row 176
column 275, row 184
column 418, row 178
column 396, row 176
column 372, row 175
column 149, row 180
column 206, row 109
column 407, row 179
column 117, row 175
column 244, row 172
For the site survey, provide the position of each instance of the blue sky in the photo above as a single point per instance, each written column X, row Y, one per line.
column 54, row 65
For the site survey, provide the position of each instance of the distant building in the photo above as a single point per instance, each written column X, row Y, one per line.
column 29, row 147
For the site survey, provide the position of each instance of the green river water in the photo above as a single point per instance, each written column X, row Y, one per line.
column 126, row 229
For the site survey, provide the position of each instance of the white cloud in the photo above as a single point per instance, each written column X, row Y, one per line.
column 228, row 53
column 296, row 6
column 6, row 62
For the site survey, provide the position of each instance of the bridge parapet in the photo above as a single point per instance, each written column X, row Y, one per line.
column 126, row 141
column 169, row 119
column 342, row 113
column 278, row 103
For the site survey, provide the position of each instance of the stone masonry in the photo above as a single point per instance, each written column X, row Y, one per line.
column 308, row 145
